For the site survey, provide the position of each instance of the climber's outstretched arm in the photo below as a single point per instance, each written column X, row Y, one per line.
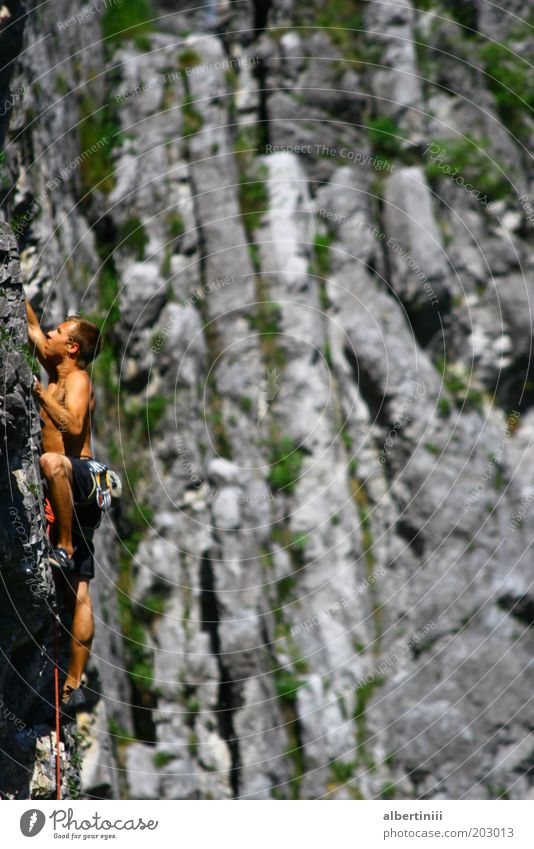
column 37, row 340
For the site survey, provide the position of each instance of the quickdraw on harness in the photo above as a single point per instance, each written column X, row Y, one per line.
column 106, row 489
column 101, row 490
column 106, row 486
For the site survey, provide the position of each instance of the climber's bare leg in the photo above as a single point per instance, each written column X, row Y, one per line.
column 82, row 632
column 57, row 470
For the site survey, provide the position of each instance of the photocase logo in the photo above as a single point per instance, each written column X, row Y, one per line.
column 32, row 822
column 269, row 389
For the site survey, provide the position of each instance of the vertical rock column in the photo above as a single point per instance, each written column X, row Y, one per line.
column 231, row 574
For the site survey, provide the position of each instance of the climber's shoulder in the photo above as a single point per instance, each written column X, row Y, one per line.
column 80, row 390
column 79, row 387
column 78, row 377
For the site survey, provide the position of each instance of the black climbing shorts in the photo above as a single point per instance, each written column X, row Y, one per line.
column 85, row 516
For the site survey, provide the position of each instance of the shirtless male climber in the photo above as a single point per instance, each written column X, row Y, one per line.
column 66, row 407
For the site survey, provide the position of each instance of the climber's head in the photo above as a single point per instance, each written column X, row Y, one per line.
column 74, row 339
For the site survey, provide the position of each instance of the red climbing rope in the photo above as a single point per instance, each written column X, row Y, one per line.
column 50, row 519
column 58, row 729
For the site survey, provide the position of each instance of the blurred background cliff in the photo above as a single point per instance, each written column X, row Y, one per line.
column 305, row 230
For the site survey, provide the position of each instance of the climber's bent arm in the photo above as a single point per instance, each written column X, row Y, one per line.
column 37, row 340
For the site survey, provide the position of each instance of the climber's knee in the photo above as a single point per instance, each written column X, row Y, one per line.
column 54, row 465
column 82, row 593
column 83, row 613
column 78, row 592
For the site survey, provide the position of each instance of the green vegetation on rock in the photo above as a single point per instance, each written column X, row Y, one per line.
column 253, row 195
column 189, row 58
column 364, row 694
column 176, row 225
column 99, row 131
column 509, row 78
column 192, row 120
column 344, row 22
column 133, row 237
column 108, row 301
column 387, row 139
column 285, row 465
column 471, row 160
column 321, row 245
column 131, row 20
column 460, row 384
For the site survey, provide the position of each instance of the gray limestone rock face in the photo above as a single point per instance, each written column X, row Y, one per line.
column 416, row 255
column 396, row 85
column 317, row 386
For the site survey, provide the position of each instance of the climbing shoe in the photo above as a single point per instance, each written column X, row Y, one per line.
column 59, row 559
column 74, row 702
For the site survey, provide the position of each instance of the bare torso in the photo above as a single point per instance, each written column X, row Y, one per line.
column 60, row 442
